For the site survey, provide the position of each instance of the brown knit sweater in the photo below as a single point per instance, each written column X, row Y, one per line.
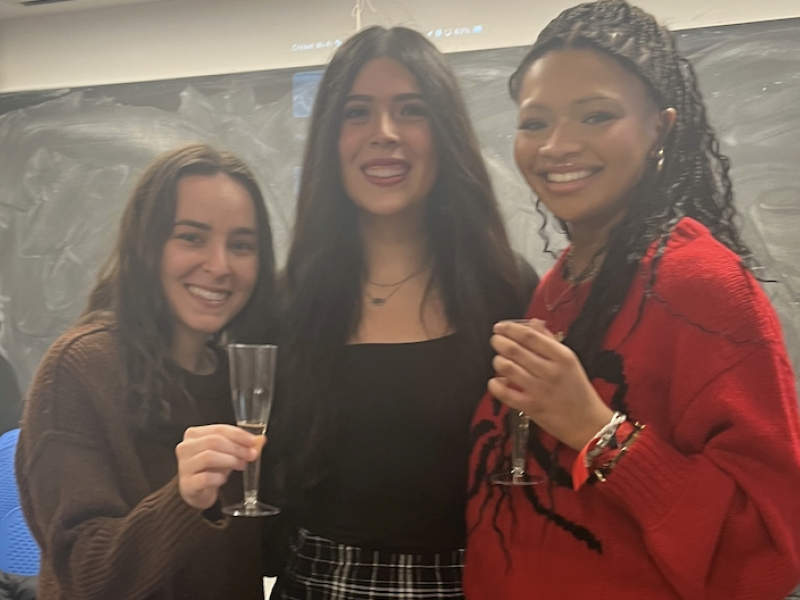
column 102, row 498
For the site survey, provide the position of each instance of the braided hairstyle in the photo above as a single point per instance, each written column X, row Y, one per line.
column 693, row 180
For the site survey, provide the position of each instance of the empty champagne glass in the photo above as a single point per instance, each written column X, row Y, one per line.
column 519, row 423
column 252, row 384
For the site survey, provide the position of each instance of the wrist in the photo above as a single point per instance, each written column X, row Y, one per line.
column 583, row 435
column 604, row 462
column 604, row 451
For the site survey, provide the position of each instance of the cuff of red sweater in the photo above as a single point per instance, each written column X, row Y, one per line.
column 650, row 480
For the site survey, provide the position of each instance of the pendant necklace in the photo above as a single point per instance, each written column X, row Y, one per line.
column 380, row 301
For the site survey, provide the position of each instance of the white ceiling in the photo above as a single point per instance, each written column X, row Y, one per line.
column 10, row 9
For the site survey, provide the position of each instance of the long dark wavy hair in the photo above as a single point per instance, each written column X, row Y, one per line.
column 474, row 268
column 694, row 179
column 129, row 293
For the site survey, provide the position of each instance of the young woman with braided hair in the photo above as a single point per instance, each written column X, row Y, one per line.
column 665, row 420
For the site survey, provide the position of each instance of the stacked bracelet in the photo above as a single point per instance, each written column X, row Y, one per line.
column 603, row 439
column 602, row 453
column 604, row 464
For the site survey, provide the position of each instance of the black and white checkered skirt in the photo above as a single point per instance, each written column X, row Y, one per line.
column 319, row 569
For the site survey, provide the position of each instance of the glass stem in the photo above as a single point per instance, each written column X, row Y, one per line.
column 251, row 475
column 519, row 444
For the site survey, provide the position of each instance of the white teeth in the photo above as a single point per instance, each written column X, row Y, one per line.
column 386, row 171
column 207, row 294
column 566, row 177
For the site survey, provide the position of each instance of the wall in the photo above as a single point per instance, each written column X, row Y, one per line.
column 182, row 38
column 69, row 159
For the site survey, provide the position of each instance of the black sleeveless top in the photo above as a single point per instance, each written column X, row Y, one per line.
column 397, row 478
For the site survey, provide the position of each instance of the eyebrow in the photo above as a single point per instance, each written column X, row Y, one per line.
column 578, row 102
column 397, row 98
column 595, row 98
column 244, row 231
column 195, row 224
column 206, row 227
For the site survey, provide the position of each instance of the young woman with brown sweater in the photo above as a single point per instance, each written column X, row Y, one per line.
column 106, row 498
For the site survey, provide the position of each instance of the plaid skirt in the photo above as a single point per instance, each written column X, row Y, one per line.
column 319, row 569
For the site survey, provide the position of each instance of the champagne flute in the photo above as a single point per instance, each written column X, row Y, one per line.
column 520, row 426
column 252, row 384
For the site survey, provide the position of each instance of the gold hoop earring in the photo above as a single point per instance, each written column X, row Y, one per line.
column 660, row 162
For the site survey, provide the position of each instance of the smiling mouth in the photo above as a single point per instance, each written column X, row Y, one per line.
column 205, row 294
column 386, row 172
column 554, row 177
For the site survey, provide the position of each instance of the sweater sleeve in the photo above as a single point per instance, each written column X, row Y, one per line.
column 97, row 545
column 715, row 494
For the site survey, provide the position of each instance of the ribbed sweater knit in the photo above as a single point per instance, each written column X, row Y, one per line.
column 705, row 505
column 101, row 497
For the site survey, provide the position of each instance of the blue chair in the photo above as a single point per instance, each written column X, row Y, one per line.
column 9, row 496
column 19, row 553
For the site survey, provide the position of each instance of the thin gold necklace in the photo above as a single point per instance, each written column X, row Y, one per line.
column 382, row 300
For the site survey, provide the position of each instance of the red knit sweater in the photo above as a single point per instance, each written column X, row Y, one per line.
column 705, row 504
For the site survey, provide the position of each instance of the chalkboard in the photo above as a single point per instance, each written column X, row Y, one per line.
column 68, row 159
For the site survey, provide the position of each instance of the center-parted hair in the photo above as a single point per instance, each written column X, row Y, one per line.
column 129, row 288
column 474, row 269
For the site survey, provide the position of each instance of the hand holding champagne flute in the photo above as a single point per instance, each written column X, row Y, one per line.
column 206, row 457
column 252, row 384
column 209, row 453
column 519, row 424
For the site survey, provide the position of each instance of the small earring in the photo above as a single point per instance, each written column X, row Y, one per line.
column 660, row 162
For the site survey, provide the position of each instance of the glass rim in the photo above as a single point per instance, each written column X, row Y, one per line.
column 253, row 346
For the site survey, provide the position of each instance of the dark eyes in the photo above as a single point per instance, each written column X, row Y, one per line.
column 532, row 125
column 598, row 118
column 192, row 238
column 355, row 112
column 411, row 110
column 414, row 110
column 595, row 118
column 239, row 246
column 243, row 246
